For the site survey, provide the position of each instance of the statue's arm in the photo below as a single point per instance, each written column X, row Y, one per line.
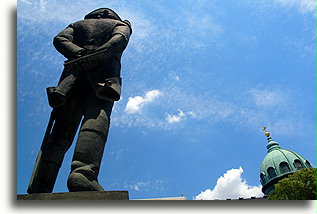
column 63, row 42
column 119, row 39
column 112, row 48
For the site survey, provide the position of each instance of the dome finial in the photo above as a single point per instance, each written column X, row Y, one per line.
column 266, row 132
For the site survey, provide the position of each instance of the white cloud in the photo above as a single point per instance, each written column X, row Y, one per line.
column 232, row 186
column 135, row 104
column 207, row 24
column 175, row 118
column 253, row 108
column 193, row 114
column 138, row 186
column 303, row 5
column 266, row 97
column 149, row 185
column 26, row 1
column 43, row 5
column 42, row 11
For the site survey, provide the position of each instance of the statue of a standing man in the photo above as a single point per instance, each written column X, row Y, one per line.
column 89, row 85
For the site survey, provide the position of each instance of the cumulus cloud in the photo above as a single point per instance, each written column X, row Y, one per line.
column 180, row 116
column 175, row 118
column 135, row 104
column 232, row 186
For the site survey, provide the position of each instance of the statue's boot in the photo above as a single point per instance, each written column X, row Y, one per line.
column 83, row 178
column 88, row 154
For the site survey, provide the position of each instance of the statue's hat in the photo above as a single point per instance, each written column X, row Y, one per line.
column 103, row 13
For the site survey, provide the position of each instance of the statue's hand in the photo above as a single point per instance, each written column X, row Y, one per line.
column 84, row 52
column 86, row 60
column 84, row 64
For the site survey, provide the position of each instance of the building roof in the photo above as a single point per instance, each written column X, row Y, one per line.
column 170, row 198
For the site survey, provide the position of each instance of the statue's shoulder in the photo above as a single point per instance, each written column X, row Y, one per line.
column 105, row 22
column 128, row 23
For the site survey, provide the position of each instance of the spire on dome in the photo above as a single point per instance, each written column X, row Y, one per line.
column 266, row 132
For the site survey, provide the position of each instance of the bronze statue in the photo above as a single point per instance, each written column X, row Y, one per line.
column 88, row 87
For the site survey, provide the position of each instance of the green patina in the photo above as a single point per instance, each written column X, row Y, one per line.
column 278, row 164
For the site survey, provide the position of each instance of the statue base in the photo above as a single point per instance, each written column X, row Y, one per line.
column 87, row 195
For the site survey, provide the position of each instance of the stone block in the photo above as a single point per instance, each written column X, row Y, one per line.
column 87, row 195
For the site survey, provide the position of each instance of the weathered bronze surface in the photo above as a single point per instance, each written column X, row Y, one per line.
column 88, row 87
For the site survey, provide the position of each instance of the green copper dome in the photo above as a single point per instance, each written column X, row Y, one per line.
column 278, row 164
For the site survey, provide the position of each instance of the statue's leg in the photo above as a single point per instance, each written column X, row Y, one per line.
column 66, row 123
column 90, row 146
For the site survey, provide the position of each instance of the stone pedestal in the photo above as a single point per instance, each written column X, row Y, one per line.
column 93, row 195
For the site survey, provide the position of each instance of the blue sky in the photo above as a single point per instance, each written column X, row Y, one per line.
column 200, row 80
